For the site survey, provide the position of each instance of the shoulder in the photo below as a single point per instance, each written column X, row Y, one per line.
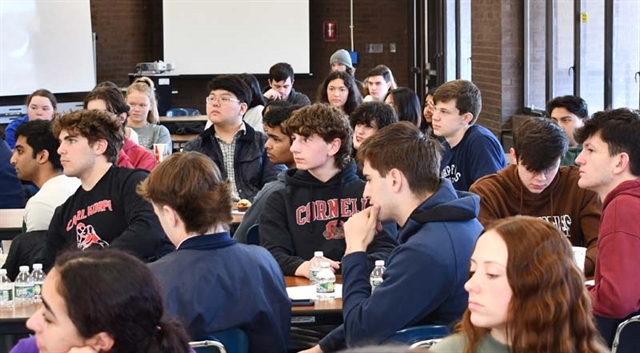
column 494, row 182
column 477, row 134
column 454, row 343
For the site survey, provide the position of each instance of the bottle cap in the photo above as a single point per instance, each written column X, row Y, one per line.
column 324, row 264
column 3, row 271
column 37, row 266
column 318, row 254
column 24, row 268
column 379, row 262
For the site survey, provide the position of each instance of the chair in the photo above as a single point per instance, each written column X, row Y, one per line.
column 419, row 336
column 627, row 338
column 231, row 341
column 253, row 235
column 177, row 112
column 192, row 111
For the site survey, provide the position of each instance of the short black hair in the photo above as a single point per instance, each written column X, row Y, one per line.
column 366, row 113
column 278, row 115
column 539, row 143
column 281, row 72
column 40, row 137
column 233, row 84
column 573, row 104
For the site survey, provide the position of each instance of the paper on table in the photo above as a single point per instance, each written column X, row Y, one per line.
column 309, row 292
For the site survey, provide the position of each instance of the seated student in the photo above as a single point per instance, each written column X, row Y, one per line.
column 424, row 277
column 321, row 193
column 526, row 294
column 570, row 112
column 339, row 90
column 471, row 151
column 340, row 60
column 429, row 108
column 102, row 301
column 110, row 99
column 11, row 194
column 610, row 166
column 278, row 149
column 406, row 104
column 537, row 186
column 235, row 147
column 143, row 115
column 128, row 132
column 378, row 83
column 281, row 79
column 211, row 282
column 105, row 210
column 41, row 105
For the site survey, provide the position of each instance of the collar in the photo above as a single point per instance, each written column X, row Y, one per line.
column 241, row 132
column 206, row 242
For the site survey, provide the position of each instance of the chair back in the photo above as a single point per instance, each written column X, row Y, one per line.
column 253, row 235
column 192, row 111
column 627, row 338
column 177, row 112
column 232, row 341
column 207, row 346
column 420, row 336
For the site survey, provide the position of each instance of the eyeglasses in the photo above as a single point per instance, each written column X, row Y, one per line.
column 221, row 100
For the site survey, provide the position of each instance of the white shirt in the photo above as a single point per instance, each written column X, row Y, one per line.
column 41, row 206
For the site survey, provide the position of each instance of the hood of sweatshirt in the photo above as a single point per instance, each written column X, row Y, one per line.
column 445, row 205
column 629, row 188
column 296, row 177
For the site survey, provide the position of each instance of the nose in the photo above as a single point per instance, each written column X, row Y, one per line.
column 294, row 146
column 367, row 192
column 267, row 144
column 541, row 176
column 33, row 323
column 580, row 159
column 60, row 150
column 471, row 286
column 13, row 159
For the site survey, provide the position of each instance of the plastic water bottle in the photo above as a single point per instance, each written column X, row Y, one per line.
column 23, row 287
column 376, row 275
column 325, row 282
column 314, row 266
column 6, row 290
column 37, row 278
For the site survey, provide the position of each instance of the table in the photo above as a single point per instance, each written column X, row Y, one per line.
column 11, row 223
column 13, row 320
column 324, row 312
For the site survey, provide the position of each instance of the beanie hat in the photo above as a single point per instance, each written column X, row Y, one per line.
column 341, row 56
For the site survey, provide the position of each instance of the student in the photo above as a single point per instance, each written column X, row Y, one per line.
column 471, row 151
column 429, row 108
column 379, row 82
column 41, row 105
column 281, row 85
column 211, row 282
column 505, row 312
column 11, row 194
column 406, row 104
column 424, row 276
column 109, row 99
column 570, row 112
column 105, row 210
column 610, row 166
column 339, row 90
column 340, row 60
column 102, row 301
column 368, row 118
column 321, row 193
column 36, row 159
column 143, row 115
column 537, row 186
column 235, row 147
column 278, row 150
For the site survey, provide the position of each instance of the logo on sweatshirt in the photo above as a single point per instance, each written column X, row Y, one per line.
column 324, row 210
column 562, row 222
column 334, row 230
column 86, row 236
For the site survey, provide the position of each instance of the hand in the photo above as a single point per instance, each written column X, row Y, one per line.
column 361, row 228
column 314, row 349
column 272, row 94
column 305, row 268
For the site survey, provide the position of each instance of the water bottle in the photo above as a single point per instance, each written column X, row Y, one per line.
column 314, row 266
column 376, row 275
column 23, row 287
column 37, row 278
column 325, row 282
column 6, row 290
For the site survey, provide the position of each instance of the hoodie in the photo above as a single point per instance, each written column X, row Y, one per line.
column 423, row 283
column 616, row 293
column 308, row 215
column 574, row 211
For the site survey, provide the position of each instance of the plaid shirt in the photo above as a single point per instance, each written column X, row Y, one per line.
column 228, row 153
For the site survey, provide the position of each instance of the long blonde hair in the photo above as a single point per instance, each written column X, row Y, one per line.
column 145, row 85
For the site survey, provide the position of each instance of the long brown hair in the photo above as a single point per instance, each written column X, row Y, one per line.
column 550, row 309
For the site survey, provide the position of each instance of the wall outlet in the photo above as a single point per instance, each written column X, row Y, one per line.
column 392, row 47
column 375, row 48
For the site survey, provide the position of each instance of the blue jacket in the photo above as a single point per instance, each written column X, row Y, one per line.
column 252, row 166
column 213, row 284
column 11, row 193
column 10, row 131
column 424, row 277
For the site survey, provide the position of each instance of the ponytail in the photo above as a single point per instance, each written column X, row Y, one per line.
column 170, row 338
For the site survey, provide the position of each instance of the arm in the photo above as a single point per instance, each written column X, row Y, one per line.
column 252, row 216
column 488, row 208
column 275, row 235
column 487, row 156
column 591, row 210
column 54, row 240
column 163, row 136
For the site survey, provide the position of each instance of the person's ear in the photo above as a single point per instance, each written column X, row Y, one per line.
column 100, row 146
column 622, row 163
column 467, row 118
column 101, row 342
column 334, row 146
column 512, row 152
column 42, row 157
column 396, row 178
column 243, row 108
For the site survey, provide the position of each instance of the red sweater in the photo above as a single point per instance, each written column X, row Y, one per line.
column 133, row 156
column 616, row 293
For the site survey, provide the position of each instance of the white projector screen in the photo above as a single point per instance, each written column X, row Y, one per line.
column 235, row 36
column 46, row 44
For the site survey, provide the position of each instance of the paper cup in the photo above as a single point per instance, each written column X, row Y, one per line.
column 579, row 254
column 160, row 150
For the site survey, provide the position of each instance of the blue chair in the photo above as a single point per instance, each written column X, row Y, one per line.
column 177, row 112
column 253, row 235
column 231, row 341
column 419, row 336
column 627, row 338
column 192, row 111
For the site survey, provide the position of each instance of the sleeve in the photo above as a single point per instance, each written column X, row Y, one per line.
column 487, row 156
column 145, row 160
column 37, row 214
column 590, row 213
column 54, row 241
column 192, row 145
column 489, row 211
column 164, row 137
column 10, row 132
column 252, row 216
column 334, row 341
column 143, row 236
column 275, row 235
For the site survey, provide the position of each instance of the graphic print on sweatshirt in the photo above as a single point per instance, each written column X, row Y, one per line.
column 86, row 235
column 562, row 222
column 450, row 172
column 333, row 210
